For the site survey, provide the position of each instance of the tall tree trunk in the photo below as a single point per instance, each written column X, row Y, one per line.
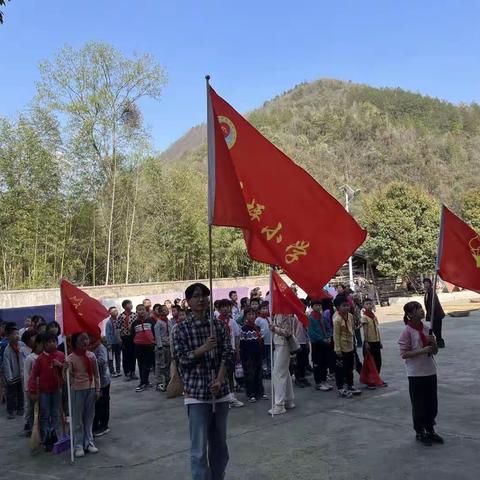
column 132, row 222
column 112, row 205
column 94, row 273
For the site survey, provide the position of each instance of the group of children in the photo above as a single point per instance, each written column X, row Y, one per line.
column 33, row 367
column 33, row 375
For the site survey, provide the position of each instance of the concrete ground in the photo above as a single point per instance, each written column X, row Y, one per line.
column 325, row 437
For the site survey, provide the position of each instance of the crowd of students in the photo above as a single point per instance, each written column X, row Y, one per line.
column 33, row 367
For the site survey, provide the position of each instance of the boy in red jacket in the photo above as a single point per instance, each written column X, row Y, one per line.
column 46, row 383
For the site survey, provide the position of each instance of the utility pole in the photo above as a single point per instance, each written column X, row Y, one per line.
column 349, row 194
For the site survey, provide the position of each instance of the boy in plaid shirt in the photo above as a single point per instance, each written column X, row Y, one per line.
column 201, row 359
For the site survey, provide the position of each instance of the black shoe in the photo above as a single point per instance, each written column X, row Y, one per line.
column 424, row 439
column 441, row 343
column 435, row 438
column 299, row 384
column 306, row 382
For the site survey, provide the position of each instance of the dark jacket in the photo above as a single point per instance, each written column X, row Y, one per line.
column 438, row 313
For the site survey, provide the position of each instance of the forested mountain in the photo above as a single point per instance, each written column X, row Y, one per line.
column 343, row 132
column 87, row 199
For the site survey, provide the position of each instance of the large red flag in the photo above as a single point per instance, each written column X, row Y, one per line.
column 289, row 219
column 81, row 313
column 459, row 252
column 284, row 301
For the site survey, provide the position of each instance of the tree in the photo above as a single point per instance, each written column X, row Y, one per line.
column 96, row 91
column 471, row 208
column 2, row 3
column 403, row 225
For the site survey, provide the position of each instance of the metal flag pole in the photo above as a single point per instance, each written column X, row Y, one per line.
column 270, row 306
column 435, row 276
column 70, row 420
column 211, row 185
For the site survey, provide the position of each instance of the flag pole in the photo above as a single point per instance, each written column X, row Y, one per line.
column 435, row 276
column 210, row 199
column 69, row 395
column 270, row 306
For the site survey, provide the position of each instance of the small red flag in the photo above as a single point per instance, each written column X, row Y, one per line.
column 255, row 186
column 459, row 252
column 284, row 301
column 81, row 313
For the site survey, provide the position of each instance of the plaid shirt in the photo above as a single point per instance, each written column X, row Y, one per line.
column 125, row 329
column 196, row 373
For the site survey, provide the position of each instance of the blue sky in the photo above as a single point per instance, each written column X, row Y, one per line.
column 254, row 50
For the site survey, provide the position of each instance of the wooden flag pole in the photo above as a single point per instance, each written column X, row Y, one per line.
column 210, row 227
column 270, row 306
column 435, row 276
column 69, row 394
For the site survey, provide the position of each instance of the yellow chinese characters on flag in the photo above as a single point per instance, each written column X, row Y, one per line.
column 292, row 221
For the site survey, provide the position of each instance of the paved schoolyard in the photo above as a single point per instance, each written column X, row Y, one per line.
column 323, row 438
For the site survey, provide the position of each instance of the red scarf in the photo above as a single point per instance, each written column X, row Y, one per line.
column 369, row 313
column 86, row 362
column 345, row 319
column 15, row 347
column 419, row 329
column 226, row 320
column 319, row 317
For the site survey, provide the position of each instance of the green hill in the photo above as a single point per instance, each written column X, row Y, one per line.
column 343, row 132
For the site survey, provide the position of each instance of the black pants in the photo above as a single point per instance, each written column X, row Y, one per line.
column 321, row 353
column 114, row 353
column 376, row 351
column 423, row 395
column 128, row 355
column 437, row 328
column 332, row 359
column 102, row 410
column 252, row 371
column 302, row 361
column 344, row 370
column 146, row 360
column 14, row 397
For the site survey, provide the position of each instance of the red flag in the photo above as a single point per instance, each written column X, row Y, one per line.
column 459, row 252
column 291, row 220
column 284, row 301
column 81, row 313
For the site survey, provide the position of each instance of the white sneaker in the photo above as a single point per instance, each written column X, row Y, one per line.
column 79, row 452
column 235, row 403
column 354, row 391
column 324, row 387
column 92, row 448
column 343, row 392
column 276, row 410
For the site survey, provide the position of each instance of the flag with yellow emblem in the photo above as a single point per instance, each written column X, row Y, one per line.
column 287, row 217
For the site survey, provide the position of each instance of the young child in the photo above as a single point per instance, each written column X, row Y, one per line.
column 35, row 343
column 45, row 383
column 102, row 405
column 320, row 333
column 343, row 334
column 371, row 335
column 417, row 348
column 233, row 329
column 13, row 371
column 163, row 355
column 114, row 343
column 263, row 323
column 251, row 354
column 85, row 385
column 144, row 339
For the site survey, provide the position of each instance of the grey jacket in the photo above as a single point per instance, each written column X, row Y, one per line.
column 102, row 361
column 12, row 365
